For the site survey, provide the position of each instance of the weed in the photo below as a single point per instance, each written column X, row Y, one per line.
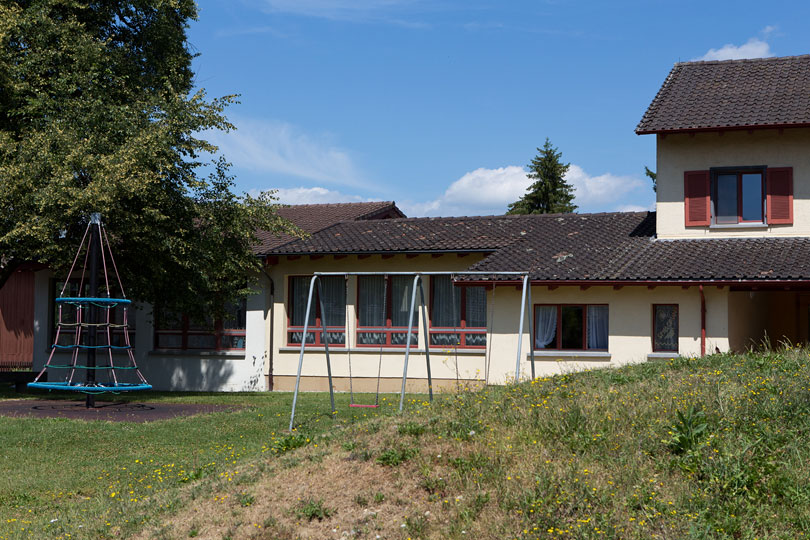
column 348, row 446
column 688, row 432
column 360, row 501
column 193, row 532
column 413, row 429
column 379, row 497
column 290, row 442
column 392, row 457
column 246, row 499
column 312, row 509
column 417, row 526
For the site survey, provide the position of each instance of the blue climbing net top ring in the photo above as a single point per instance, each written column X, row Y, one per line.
column 112, row 302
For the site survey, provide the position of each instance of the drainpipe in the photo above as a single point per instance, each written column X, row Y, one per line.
column 702, row 322
column 270, row 345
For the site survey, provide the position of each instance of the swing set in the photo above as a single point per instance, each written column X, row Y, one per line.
column 315, row 284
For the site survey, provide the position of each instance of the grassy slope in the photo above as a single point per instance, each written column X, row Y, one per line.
column 602, row 454
column 74, row 479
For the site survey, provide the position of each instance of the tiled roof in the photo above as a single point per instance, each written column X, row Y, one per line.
column 610, row 247
column 478, row 233
column 731, row 94
column 312, row 218
column 622, row 247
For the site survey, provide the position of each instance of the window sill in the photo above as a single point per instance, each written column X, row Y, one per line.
column 240, row 354
column 369, row 350
column 596, row 356
column 662, row 355
column 721, row 226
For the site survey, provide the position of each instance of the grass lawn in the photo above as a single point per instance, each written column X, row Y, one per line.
column 704, row 448
column 75, row 479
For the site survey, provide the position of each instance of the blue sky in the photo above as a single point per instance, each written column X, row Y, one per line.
column 439, row 105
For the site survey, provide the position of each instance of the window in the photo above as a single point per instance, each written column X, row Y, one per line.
column 116, row 314
column 571, row 327
column 458, row 315
column 739, row 195
column 665, row 328
column 383, row 304
column 334, row 300
column 175, row 331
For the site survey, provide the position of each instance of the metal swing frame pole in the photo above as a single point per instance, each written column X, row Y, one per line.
column 92, row 311
column 417, row 280
column 312, row 283
column 520, row 329
column 531, row 322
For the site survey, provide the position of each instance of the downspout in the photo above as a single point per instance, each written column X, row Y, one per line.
column 270, row 345
column 702, row 321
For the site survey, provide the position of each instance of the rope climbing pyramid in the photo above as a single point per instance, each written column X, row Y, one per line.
column 95, row 323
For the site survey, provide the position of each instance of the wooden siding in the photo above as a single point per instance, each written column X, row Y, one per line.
column 17, row 321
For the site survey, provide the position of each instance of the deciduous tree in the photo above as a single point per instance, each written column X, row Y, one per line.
column 98, row 113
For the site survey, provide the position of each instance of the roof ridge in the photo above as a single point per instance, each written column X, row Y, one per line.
column 742, row 60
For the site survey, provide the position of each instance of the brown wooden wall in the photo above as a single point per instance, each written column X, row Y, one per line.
column 17, row 321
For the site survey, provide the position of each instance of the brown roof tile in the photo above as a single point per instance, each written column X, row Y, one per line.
column 731, row 94
column 312, row 218
column 478, row 233
column 610, row 247
column 622, row 247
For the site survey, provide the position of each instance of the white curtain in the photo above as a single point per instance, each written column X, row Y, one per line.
column 598, row 327
column 545, row 330
column 446, row 308
column 299, row 292
column 334, row 300
column 476, row 307
column 371, row 297
column 401, row 287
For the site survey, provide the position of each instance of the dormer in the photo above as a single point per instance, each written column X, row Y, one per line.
column 733, row 148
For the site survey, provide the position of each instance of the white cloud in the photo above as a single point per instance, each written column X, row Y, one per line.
column 753, row 48
column 489, row 191
column 314, row 195
column 281, row 148
column 480, row 192
column 601, row 193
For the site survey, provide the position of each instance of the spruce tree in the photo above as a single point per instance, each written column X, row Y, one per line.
column 549, row 193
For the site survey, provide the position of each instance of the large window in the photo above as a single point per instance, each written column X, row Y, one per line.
column 334, row 300
column 175, row 331
column 458, row 315
column 383, row 304
column 665, row 327
column 738, row 196
column 571, row 327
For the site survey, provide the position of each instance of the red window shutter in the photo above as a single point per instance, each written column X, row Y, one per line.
column 696, row 196
column 780, row 196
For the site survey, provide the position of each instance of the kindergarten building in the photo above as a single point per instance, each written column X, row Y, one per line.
column 721, row 265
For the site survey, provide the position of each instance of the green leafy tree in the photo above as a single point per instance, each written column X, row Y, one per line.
column 98, row 113
column 652, row 176
column 549, row 193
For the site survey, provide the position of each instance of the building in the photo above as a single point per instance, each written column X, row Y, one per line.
column 723, row 264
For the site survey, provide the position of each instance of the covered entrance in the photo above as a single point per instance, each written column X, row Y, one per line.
column 759, row 316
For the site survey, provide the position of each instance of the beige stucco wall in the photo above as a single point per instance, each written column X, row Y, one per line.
column 678, row 153
column 630, row 330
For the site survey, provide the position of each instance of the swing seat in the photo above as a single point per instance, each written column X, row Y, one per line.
column 363, row 406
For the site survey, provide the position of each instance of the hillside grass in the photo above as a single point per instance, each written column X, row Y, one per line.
column 63, row 478
column 716, row 447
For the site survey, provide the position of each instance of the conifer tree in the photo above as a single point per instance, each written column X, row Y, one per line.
column 549, row 192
